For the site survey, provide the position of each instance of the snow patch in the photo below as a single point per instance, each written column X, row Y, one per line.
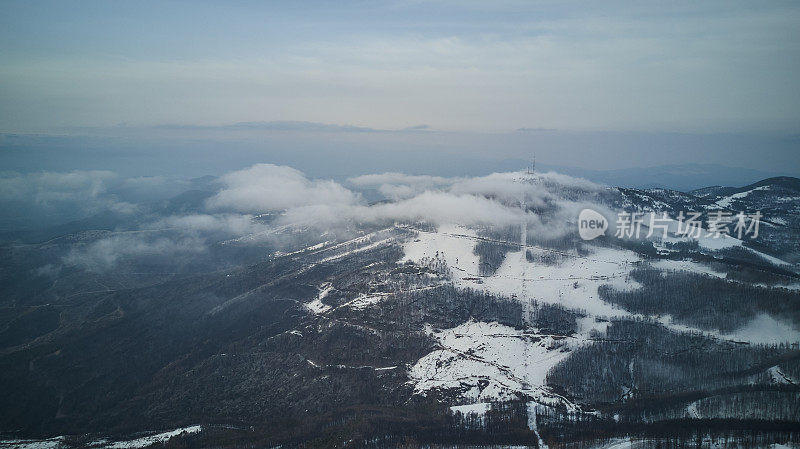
column 311, row 248
column 478, row 409
column 50, row 443
column 619, row 443
column 726, row 201
column 686, row 265
column 765, row 329
column 153, row 439
column 691, row 409
column 365, row 300
column 453, row 243
column 316, row 306
column 571, row 283
column 779, row 377
column 488, row 361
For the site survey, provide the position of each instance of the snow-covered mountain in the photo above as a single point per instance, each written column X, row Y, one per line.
column 519, row 332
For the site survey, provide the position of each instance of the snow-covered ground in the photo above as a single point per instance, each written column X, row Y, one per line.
column 452, row 243
column 691, row 409
column 573, row 283
column 103, row 443
column 705, row 239
column 726, row 201
column 365, row 300
column 152, row 439
column 686, row 265
column 489, row 362
column 316, row 306
column 618, row 443
column 779, row 377
column 360, row 249
column 50, row 443
column 765, row 329
column 478, row 409
column 509, row 363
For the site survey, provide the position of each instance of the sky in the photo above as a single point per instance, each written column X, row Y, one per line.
column 488, row 66
column 582, row 71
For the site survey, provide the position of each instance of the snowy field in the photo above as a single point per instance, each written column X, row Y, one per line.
column 515, row 363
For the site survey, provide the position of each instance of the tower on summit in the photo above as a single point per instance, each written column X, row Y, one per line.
column 532, row 167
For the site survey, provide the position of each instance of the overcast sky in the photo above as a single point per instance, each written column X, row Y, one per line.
column 459, row 66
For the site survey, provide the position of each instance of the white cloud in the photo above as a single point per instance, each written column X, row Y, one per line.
column 47, row 197
column 266, row 187
column 570, row 181
column 491, row 200
column 106, row 253
column 48, row 187
column 398, row 178
column 431, row 206
column 232, row 224
column 320, row 203
column 397, row 186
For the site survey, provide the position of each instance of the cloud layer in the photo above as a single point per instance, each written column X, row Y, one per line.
column 259, row 203
column 265, row 187
column 493, row 200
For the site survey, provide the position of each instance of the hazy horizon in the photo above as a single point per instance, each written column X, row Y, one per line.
column 455, row 66
column 333, row 151
column 355, row 87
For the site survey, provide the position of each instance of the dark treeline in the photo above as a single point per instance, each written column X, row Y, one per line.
column 644, row 373
column 703, row 301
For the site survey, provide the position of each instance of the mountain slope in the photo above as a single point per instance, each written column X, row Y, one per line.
column 423, row 329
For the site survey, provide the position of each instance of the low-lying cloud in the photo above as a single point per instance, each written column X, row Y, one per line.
column 48, row 187
column 265, row 187
column 47, row 198
column 259, row 201
column 431, row 206
column 297, row 201
column 105, row 253
column 227, row 224
column 395, row 186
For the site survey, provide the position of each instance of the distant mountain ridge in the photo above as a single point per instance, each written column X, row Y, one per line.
column 787, row 182
column 682, row 177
